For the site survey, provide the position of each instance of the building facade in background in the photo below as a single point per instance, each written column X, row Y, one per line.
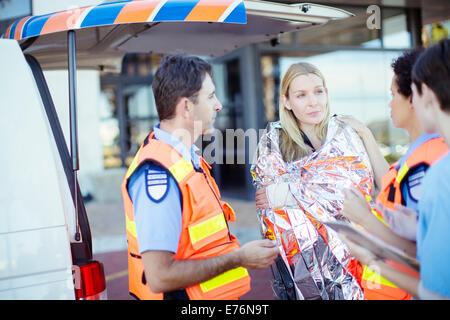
column 117, row 111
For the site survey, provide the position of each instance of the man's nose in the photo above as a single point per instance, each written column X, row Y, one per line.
column 218, row 106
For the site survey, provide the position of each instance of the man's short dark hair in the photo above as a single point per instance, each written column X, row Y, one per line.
column 178, row 76
column 433, row 69
column 402, row 67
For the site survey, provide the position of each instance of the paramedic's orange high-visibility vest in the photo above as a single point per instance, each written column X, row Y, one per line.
column 376, row 287
column 204, row 226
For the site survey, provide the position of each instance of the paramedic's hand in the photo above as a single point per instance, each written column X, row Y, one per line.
column 262, row 201
column 362, row 254
column 258, row 254
column 402, row 221
column 356, row 207
column 358, row 126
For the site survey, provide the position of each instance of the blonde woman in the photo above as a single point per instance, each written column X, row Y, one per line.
column 318, row 263
column 304, row 115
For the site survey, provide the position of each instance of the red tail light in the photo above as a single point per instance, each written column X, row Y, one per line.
column 90, row 281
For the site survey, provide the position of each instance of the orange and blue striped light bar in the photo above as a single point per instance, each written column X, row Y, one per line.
column 131, row 11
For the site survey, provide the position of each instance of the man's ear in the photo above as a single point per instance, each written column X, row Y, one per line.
column 432, row 99
column 427, row 95
column 184, row 107
column 410, row 99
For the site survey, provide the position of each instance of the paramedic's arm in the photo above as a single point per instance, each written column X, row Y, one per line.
column 165, row 274
column 379, row 164
column 357, row 210
column 401, row 279
column 158, row 229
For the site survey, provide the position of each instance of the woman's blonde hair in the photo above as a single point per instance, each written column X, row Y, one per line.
column 292, row 145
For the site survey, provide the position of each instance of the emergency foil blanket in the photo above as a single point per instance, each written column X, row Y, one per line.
column 319, row 262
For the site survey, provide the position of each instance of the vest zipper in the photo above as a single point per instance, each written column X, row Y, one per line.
column 218, row 201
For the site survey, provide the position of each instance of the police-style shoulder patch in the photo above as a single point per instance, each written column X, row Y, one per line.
column 414, row 184
column 156, row 183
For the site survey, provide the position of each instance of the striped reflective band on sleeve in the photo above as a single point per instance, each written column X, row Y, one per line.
column 131, row 226
column 371, row 276
column 181, row 169
column 223, row 279
column 206, row 228
column 401, row 173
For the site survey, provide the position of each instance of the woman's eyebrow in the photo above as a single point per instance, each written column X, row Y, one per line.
column 300, row 90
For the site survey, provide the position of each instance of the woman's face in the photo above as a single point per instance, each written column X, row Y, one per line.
column 400, row 105
column 307, row 98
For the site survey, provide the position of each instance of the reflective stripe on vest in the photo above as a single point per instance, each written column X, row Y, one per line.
column 373, row 277
column 203, row 230
column 402, row 172
column 223, row 279
column 131, row 226
column 133, row 165
column 375, row 213
column 181, row 169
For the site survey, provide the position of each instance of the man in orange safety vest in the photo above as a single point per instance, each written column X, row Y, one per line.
column 179, row 243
